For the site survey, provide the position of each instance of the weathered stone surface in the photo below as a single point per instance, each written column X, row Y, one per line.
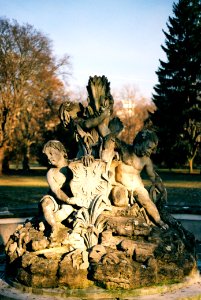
column 119, row 197
column 73, row 278
column 140, row 250
column 109, row 240
column 73, row 271
column 160, row 258
column 39, row 245
column 128, row 226
column 37, row 280
column 116, row 271
column 96, row 253
column 44, row 266
column 121, row 259
column 28, row 259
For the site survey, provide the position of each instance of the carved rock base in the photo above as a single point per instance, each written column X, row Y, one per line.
column 129, row 254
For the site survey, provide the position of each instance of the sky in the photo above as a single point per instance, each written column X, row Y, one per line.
column 120, row 39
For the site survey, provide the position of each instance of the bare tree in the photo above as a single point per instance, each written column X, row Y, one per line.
column 29, row 78
column 133, row 109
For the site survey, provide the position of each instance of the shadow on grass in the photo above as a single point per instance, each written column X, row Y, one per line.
column 29, row 173
column 21, row 197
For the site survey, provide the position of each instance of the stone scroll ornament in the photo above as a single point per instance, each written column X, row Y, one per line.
column 98, row 225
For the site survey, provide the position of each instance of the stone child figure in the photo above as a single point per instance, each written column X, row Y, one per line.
column 134, row 159
column 91, row 124
column 83, row 128
column 57, row 205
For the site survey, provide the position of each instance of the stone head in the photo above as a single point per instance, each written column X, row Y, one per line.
column 68, row 110
column 55, row 152
column 145, row 143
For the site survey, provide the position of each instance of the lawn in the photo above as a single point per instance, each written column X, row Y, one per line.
column 18, row 190
column 182, row 188
column 21, row 191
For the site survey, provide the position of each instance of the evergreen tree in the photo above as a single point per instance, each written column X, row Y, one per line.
column 178, row 93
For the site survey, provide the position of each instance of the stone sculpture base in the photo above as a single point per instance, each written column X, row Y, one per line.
column 94, row 230
column 130, row 254
column 190, row 288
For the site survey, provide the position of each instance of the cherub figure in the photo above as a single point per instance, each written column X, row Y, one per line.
column 93, row 123
column 84, row 129
column 59, row 203
column 134, row 158
column 99, row 99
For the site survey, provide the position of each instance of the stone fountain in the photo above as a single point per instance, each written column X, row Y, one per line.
column 98, row 226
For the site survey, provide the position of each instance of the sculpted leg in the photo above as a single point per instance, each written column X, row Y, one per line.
column 119, row 196
column 48, row 208
column 54, row 216
column 63, row 213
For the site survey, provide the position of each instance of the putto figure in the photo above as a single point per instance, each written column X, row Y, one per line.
column 134, row 158
column 57, row 205
column 83, row 128
column 91, row 124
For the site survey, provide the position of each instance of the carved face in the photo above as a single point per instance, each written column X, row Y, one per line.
column 149, row 148
column 145, row 149
column 68, row 111
column 55, row 156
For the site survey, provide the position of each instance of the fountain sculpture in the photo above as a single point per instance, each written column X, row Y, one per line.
column 98, row 225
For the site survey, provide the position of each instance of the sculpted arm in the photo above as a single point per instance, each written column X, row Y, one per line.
column 155, row 178
column 150, row 169
column 95, row 121
column 55, row 187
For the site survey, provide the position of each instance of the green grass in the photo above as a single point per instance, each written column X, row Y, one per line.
column 20, row 190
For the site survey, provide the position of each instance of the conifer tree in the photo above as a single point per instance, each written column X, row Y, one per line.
column 178, row 92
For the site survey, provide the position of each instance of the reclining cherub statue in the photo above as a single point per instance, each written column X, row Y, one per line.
column 126, row 179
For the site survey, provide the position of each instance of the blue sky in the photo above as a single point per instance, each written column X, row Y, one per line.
column 120, row 39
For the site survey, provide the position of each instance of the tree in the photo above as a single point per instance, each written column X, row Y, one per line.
column 33, row 121
column 29, row 84
column 177, row 95
column 133, row 110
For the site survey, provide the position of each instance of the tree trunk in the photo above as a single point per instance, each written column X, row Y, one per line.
column 191, row 165
column 26, row 156
column 6, row 166
column 191, row 160
column 2, row 154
